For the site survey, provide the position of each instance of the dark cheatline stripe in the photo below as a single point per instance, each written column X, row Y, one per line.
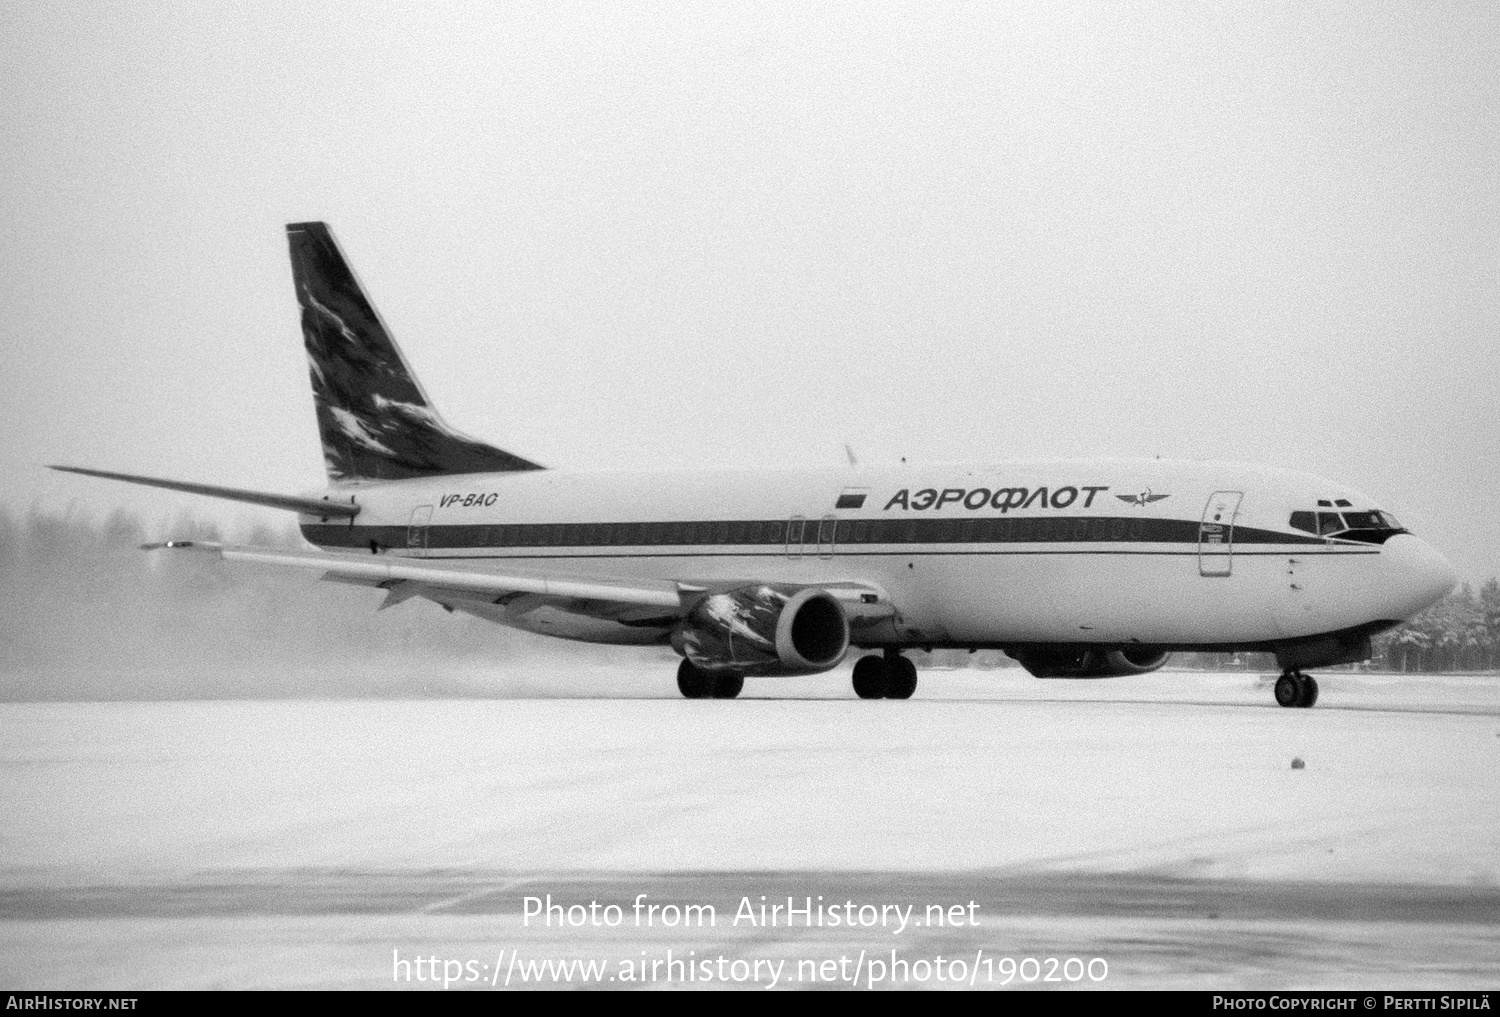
column 849, row 534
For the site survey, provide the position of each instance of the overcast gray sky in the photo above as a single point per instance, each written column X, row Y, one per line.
column 628, row 235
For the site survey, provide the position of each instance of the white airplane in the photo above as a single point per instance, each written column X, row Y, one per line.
column 1076, row 568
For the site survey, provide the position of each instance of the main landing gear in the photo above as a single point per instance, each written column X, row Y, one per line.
column 695, row 683
column 888, row 677
column 1296, row 689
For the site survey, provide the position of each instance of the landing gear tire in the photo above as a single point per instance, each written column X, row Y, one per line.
column 694, row 682
column 1296, row 689
column 871, row 678
column 903, row 678
column 727, row 686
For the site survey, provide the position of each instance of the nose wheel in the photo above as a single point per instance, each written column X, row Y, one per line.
column 1296, row 689
column 888, row 677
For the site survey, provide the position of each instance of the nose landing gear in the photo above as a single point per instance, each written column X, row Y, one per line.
column 888, row 677
column 1296, row 689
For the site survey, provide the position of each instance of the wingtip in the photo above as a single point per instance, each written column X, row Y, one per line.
column 82, row 471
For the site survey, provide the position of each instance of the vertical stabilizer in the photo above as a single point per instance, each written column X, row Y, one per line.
column 375, row 421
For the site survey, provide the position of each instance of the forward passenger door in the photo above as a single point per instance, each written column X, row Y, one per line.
column 1216, row 533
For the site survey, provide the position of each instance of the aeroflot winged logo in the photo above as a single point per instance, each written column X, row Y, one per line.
column 1144, row 498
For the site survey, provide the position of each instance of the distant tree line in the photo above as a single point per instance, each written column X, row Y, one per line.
column 1461, row 632
column 85, row 613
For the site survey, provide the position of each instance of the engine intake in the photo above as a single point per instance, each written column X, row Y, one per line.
column 765, row 630
column 1082, row 661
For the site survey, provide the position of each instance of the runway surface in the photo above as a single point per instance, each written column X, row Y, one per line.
column 1153, row 824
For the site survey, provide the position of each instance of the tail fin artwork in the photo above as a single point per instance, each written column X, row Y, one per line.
column 375, row 421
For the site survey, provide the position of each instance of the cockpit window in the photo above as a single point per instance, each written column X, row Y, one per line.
column 1372, row 527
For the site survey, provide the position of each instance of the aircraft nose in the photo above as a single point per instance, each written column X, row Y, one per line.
column 1423, row 577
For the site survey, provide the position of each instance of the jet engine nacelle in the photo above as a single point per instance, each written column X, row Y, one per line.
column 1064, row 661
column 765, row 630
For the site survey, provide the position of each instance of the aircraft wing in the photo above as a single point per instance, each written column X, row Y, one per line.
column 405, row 578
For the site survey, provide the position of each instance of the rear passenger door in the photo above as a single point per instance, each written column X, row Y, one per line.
column 416, row 531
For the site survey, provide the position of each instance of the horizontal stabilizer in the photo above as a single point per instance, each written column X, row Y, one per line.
column 380, row 571
column 292, row 503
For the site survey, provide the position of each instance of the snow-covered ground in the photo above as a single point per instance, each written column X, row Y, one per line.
column 989, row 778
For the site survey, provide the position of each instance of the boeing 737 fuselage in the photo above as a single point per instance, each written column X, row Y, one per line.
column 1077, row 568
